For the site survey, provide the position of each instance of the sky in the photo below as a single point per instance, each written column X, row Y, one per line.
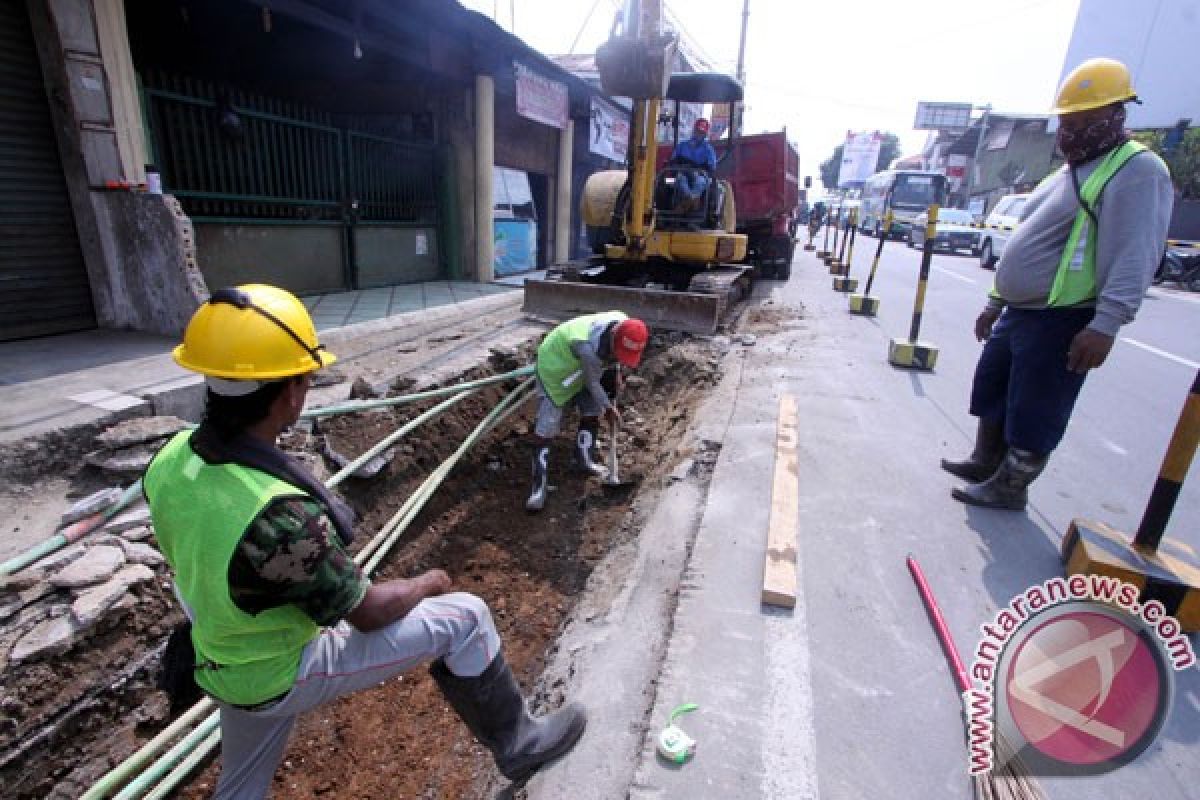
column 822, row 68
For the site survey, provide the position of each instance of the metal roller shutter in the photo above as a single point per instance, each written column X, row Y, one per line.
column 43, row 281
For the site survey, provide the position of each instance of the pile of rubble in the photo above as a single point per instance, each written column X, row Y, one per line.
column 48, row 607
column 56, row 602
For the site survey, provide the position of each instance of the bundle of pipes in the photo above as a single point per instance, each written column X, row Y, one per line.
column 160, row 778
column 77, row 530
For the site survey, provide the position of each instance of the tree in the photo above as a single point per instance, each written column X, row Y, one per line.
column 889, row 150
column 1183, row 161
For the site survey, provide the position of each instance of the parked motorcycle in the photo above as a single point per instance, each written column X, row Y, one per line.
column 1179, row 268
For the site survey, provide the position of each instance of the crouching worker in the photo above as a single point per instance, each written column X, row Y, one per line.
column 574, row 362
column 282, row 619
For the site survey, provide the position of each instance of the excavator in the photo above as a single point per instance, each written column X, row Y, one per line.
column 675, row 265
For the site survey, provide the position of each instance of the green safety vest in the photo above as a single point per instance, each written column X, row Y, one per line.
column 558, row 368
column 1075, row 281
column 200, row 513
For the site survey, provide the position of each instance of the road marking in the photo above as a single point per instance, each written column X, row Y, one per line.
column 953, row 274
column 1116, row 448
column 1163, row 353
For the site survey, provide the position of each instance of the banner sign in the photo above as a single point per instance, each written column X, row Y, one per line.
column 539, row 98
column 860, row 153
column 609, row 136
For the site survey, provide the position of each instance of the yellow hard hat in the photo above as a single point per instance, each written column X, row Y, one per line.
column 252, row 332
column 1095, row 83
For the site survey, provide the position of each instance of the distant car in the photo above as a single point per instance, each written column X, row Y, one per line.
column 954, row 231
column 998, row 227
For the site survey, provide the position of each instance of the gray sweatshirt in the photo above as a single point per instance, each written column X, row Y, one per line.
column 588, row 353
column 1134, row 210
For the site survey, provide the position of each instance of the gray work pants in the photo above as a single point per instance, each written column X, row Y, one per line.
column 457, row 627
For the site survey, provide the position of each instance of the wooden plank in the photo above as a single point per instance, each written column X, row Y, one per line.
column 779, row 568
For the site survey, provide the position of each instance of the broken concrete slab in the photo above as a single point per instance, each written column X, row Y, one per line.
column 137, row 534
column 97, row 565
column 61, row 558
column 50, row 637
column 134, row 575
column 92, row 605
column 138, row 516
column 92, row 504
column 141, row 553
column 139, row 431
column 369, row 469
column 126, row 461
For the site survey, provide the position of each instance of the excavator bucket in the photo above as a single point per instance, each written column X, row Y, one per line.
column 689, row 312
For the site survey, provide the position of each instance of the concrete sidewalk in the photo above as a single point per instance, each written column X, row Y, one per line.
column 58, row 382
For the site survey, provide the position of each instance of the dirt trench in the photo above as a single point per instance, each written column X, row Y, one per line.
column 68, row 719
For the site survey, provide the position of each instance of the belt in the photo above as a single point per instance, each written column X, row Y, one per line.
column 263, row 705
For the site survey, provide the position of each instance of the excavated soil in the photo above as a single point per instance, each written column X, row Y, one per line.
column 67, row 720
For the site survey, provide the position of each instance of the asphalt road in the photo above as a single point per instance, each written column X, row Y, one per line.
column 885, row 718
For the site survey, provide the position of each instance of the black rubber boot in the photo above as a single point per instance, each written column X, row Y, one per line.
column 985, row 458
column 1008, row 487
column 584, row 440
column 541, row 469
column 492, row 707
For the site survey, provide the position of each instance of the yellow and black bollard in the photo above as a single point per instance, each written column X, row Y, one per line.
column 823, row 253
column 835, row 263
column 831, row 256
column 1166, row 571
column 863, row 303
column 843, row 282
column 910, row 352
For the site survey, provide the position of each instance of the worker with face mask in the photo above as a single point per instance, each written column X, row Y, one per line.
column 1075, row 270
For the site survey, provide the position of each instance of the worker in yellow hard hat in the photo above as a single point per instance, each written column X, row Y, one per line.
column 282, row 620
column 1074, row 271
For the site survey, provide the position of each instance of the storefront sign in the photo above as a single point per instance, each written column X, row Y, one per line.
column 609, row 136
column 539, row 98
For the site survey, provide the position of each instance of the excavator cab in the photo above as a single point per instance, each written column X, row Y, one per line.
column 674, row 267
column 674, row 208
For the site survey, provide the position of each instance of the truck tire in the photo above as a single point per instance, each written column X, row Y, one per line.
column 783, row 271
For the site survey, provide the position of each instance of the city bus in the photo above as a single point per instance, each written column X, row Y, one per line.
column 905, row 193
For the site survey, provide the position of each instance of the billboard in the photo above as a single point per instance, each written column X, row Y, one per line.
column 1156, row 39
column 860, row 153
column 609, row 131
column 942, row 116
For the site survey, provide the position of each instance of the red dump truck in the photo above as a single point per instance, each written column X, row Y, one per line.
column 765, row 172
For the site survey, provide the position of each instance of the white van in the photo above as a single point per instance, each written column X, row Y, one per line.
column 998, row 227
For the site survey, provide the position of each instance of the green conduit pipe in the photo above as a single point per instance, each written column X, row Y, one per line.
column 384, row 402
column 176, row 776
column 395, row 437
column 138, row 786
column 130, row 765
column 67, row 535
column 203, row 739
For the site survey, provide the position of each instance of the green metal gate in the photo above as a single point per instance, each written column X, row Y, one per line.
column 240, row 161
column 43, row 280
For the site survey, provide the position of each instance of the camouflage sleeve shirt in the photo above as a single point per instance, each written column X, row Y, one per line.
column 291, row 554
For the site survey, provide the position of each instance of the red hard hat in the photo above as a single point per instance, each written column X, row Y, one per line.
column 629, row 340
column 702, row 124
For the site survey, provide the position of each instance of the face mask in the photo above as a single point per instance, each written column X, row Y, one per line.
column 1081, row 143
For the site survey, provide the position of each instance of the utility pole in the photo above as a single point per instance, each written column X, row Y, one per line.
column 736, row 122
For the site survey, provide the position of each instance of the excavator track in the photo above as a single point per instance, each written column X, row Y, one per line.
column 708, row 299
